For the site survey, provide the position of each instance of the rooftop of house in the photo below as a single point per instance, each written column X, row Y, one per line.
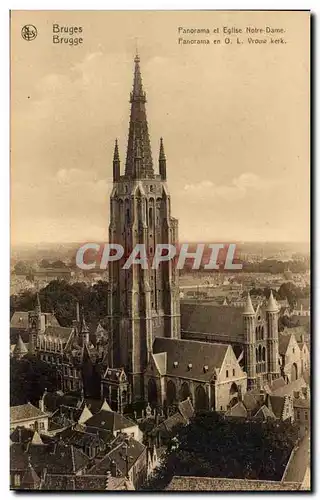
column 191, row 483
column 124, row 449
column 284, row 341
column 20, row 320
column 110, row 421
column 264, row 413
column 299, row 461
column 25, row 412
column 238, row 410
column 289, row 389
column 25, row 435
column 190, row 358
column 57, row 458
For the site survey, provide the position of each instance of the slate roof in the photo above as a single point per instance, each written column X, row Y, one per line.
column 252, row 401
column 301, row 321
column 289, row 389
column 210, row 318
column 238, row 410
column 166, row 427
column 264, row 412
column 25, row 412
column 185, row 352
column 20, row 319
column 118, row 455
column 277, row 405
column 20, row 347
column 110, row 421
column 191, row 483
column 299, row 461
column 284, row 341
column 63, row 482
column 22, row 435
column 58, row 458
column 30, row 479
column 277, row 383
column 186, row 409
column 78, row 438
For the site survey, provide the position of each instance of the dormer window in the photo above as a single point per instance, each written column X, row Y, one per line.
column 175, row 364
column 189, row 366
column 205, row 368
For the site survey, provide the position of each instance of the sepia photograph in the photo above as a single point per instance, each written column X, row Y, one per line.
column 160, row 296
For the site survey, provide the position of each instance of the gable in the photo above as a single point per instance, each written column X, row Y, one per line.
column 230, row 363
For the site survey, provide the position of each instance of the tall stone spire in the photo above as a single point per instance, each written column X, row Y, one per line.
column 138, row 129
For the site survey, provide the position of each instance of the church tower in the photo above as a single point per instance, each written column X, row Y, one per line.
column 142, row 303
column 272, row 312
column 249, row 323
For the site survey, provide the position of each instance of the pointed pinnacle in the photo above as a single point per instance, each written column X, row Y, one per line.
column 271, row 305
column 137, row 80
column 248, row 309
column 116, row 156
column 38, row 304
column 162, row 155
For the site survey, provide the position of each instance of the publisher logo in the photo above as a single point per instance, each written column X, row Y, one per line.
column 29, row 32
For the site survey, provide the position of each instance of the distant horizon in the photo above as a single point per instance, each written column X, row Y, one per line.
column 215, row 240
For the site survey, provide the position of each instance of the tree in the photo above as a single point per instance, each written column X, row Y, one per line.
column 29, row 377
column 61, row 297
column 213, row 445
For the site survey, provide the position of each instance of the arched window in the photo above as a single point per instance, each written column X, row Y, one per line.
column 263, row 353
column 294, row 372
column 185, row 391
column 260, row 353
column 201, row 398
column 171, row 393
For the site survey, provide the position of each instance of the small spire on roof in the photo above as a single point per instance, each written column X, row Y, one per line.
column 38, row 303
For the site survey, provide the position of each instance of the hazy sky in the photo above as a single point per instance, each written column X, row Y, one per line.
column 235, row 123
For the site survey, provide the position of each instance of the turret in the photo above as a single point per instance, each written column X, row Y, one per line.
column 272, row 312
column 249, row 323
column 162, row 162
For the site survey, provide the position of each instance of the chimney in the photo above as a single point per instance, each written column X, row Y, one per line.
column 113, row 468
